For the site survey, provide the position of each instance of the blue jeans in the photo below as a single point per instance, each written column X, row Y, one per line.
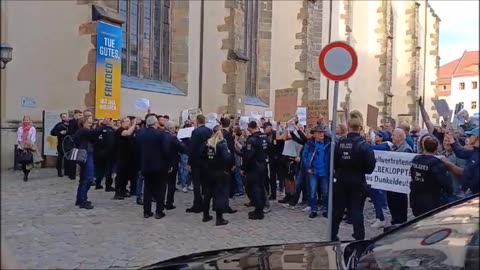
column 90, row 168
column 184, row 176
column 379, row 200
column 313, row 182
column 139, row 188
column 238, row 181
column 300, row 185
column 85, row 182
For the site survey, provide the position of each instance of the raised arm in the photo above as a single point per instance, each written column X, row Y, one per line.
column 425, row 116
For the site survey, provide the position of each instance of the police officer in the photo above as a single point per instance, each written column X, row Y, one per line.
column 216, row 185
column 255, row 168
column 353, row 159
column 197, row 164
column 103, row 149
column 60, row 131
column 429, row 179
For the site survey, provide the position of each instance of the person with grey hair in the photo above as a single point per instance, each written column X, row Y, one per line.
column 398, row 202
column 154, row 165
column 177, row 148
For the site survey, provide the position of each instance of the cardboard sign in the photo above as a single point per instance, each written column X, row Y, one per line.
column 315, row 108
column 285, row 104
column 442, row 108
column 372, row 116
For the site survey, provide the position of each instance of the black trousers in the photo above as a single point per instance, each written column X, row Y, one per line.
column 125, row 172
column 71, row 169
column 357, row 194
column 275, row 174
column 155, row 185
column 216, row 188
column 103, row 168
column 62, row 166
column 398, row 205
column 256, row 182
column 199, row 174
column 171, row 186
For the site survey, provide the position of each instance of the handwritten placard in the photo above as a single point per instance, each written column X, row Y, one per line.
column 285, row 104
column 315, row 108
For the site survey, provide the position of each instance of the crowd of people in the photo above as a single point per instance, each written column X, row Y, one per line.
column 144, row 158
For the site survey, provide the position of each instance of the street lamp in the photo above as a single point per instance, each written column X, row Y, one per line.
column 5, row 54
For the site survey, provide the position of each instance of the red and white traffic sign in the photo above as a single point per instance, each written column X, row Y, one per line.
column 338, row 61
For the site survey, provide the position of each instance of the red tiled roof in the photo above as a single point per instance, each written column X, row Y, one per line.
column 467, row 65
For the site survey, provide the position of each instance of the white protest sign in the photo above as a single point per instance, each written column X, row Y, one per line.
column 142, row 104
column 392, row 171
column 185, row 133
column 244, row 122
column 302, row 115
column 211, row 120
column 268, row 114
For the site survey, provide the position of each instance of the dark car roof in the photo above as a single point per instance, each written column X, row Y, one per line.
column 449, row 235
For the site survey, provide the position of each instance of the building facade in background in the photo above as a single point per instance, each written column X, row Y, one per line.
column 458, row 82
column 223, row 56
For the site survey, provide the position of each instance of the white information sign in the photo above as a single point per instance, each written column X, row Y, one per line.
column 50, row 142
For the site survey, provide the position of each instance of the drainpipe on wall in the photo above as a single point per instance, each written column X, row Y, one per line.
column 424, row 59
column 329, row 39
column 200, row 71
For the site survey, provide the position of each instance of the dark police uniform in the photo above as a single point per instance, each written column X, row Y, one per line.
column 61, row 162
column 103, row 149
column 429, row 182
column 216, row 185
column 353, row 159
column 196, row 160
column 255, row 168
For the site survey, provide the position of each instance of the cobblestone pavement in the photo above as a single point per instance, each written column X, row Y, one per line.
column 43, row 229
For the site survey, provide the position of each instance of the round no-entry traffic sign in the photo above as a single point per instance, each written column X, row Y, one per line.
column 338, row 61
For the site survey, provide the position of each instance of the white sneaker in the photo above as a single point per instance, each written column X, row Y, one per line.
column 190, row 188
column 307, row 209
column 184, row 190
column 379, row 224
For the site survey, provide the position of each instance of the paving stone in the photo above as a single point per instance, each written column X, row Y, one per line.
column 43, row 229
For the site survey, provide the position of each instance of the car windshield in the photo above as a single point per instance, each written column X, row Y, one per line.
column 446, row 240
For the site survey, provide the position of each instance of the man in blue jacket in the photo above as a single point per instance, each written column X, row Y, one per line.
column 316, row 159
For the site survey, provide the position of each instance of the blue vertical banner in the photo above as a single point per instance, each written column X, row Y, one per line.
column 108, row 71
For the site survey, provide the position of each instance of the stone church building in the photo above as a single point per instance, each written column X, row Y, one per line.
column 218, row 55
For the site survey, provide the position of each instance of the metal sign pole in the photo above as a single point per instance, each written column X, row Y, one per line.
column 332, row 155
